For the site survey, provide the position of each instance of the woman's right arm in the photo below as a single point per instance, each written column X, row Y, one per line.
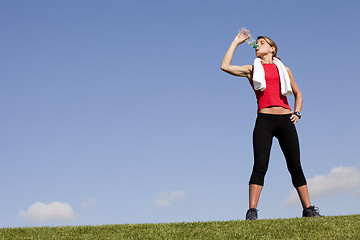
column 241, row 71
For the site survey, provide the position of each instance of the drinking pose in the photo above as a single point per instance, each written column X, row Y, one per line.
column 271, row 81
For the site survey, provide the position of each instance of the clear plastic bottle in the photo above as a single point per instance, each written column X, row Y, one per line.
column 250, row 41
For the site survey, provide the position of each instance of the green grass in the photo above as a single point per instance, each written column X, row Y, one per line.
column 339, row 227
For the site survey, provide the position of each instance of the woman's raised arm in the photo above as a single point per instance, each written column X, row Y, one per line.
column 241, row 71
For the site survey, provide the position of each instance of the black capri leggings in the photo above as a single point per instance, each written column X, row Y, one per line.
column 266, row 127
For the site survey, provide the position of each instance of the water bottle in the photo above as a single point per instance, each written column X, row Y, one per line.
column 250, row 41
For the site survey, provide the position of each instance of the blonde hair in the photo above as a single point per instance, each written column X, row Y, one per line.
column 271, row 43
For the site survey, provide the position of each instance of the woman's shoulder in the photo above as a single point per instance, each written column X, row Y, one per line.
column 288, row 69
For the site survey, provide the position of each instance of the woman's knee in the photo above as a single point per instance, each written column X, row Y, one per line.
column 258, row 175
column 298, row 177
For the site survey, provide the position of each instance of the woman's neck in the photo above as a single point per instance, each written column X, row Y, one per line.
column 267, row 59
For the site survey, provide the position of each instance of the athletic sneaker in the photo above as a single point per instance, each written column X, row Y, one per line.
column 251, row 214
column 311, row 211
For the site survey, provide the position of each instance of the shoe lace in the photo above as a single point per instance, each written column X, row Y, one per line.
column 252, row 212
column 315, row 209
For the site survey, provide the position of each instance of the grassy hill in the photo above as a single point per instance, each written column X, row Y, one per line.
column 337, row 227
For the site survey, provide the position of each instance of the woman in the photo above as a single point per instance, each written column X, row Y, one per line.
column 274, row 117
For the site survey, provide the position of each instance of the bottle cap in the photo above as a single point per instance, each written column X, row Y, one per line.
column 255, row 45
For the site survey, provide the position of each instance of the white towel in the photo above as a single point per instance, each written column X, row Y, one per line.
column 259, row 76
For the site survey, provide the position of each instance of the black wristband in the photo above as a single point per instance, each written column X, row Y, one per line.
column 298, row 114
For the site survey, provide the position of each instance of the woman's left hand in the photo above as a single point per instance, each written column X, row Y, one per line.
column 294, row 118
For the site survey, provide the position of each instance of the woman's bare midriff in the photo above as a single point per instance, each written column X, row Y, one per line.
column 275, row 110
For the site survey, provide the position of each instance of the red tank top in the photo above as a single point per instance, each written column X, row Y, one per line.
column 271, row 96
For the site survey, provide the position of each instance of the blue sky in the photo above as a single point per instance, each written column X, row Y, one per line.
column 117, row 111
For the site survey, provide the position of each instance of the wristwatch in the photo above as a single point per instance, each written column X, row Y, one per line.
column 298, row 114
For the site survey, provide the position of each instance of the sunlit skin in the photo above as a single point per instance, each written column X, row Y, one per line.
column 265, row 52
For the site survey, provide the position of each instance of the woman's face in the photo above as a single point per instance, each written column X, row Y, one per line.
column 263, row 48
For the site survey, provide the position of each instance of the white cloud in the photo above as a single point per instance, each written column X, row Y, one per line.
column 339, row 179
column 165, row 199
column 292, row 198
column 89, row 203
column 53, row 211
